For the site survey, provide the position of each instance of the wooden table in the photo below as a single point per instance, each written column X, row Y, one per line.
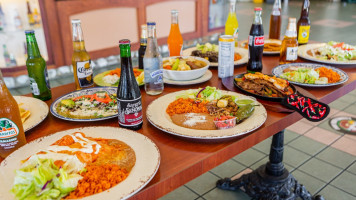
column 181, row 159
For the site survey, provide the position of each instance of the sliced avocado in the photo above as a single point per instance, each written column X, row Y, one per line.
column 68, row 103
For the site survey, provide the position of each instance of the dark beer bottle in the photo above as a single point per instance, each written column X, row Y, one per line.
column 128, row 93
column 303, row 25
column 143, row 45
column 37, row 70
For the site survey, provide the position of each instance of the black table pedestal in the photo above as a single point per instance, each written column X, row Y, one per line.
column 270, row 181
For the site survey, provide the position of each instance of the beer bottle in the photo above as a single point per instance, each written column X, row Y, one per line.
column 289, row 48
column 31, row 19
column 143, row 45
column 12, row 135
column 83, row 72
column 231, row 24
column 175, row 39
column 275, row 21
column 128, row 93
column 303, row 25
column 37, row 70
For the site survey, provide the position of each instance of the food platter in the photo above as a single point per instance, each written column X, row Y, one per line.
column 99, row 81
column 89, row 91
column 277, row 71
column 243, row 52
column 276, row 99
column 161, row 120
column 207, row 76
column 38, row 111
column 304, row 49
column 147, row 161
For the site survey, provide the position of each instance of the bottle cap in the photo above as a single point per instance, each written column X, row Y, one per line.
column 29, row 31
column 292, row 20
column 124, row 41
column 75, row 21
column 151, row 23
column 258, row 9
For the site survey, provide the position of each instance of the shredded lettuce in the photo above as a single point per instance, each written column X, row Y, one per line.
column 208, row 93
column 302, row 75
column 41, row 179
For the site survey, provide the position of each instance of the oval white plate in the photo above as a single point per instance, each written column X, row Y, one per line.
column 111, row 90
column 243, row 52
column 160, row 119
column 38, row 109
column 277, row 71
column 207, row 76
column 147, row 161
column 303, row 49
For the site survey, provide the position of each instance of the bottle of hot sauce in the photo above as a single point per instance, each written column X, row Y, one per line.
column 303, row 25
column 175, row 39
column 275, row 21
column 12, row 135
column 289, row 48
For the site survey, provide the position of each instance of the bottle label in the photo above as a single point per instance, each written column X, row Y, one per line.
column 276, row 12
column 8, row 132
column 34, row 87
column 256, row 40
column 292, row 53
column 290, row 33
column 85, row 73
column 130, row 112
column 236, row 34
column 303, row 34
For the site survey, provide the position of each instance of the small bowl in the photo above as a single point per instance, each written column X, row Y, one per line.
column 225, row 124
column 185, row 75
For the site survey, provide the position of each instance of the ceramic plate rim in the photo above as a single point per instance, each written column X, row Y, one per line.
column 201, row 79
column 55, row 102
column 111, row 84
column 313, row 65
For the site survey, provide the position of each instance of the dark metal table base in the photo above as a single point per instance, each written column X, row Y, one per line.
column 270, row 181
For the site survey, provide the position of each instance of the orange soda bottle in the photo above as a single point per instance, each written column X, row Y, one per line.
column 175, row 39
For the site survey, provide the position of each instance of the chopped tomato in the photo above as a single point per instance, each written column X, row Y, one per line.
column 169, row 67
column 338, row 45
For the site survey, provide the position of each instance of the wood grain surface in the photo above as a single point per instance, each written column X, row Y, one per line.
column 183, row 159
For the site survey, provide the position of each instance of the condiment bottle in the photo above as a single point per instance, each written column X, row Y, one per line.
column 303, row 25
column 275, row 21
column 289, row 48
column 12, row 135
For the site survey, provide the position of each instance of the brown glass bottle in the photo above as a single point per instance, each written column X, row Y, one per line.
column 128, row 93
column 289, row 48
column 275, row 21
column 303, row 25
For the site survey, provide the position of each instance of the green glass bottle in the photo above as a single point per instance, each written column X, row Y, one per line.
column 37, row 70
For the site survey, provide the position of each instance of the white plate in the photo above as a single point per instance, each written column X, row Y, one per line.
column 303, row 49
column 277, row 71
column 147, row 161
column 207, row 76
column 156, row 114
column 243, row 52
column 38, row 111
column 89, row 91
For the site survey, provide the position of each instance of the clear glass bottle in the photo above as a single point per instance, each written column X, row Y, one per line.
column 152, row 63
column 82, row 69
column 232, row 25
column 6, row 56
column 289, row 48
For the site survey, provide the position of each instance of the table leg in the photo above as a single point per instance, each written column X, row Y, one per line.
column 270, row 181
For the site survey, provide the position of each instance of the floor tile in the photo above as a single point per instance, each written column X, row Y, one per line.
column 346, row 144
column 336, row 157
column 249, row 157
column 228, row 169
column 344, row 113
column 332, row 23
column 307, row 145
column 300, row 127
column 338, row 104
column 322, row 135
column 289, row 136
column 200, row 198
column 312, row 184
column 348, row 98
column 245, row 171
column 259, row 163
column 352, row 137
column 346, row 181
column 353, row 92
column 320, row 169
column 351, row 109
column 263, row 146
column 24, row 90
column 294, row 157
column 352, row 168
column 203, row 183
column 330, row 192
column 182, row 193
column 14, row 92
column 226, row 195
column 54, row 83
column 326, row 125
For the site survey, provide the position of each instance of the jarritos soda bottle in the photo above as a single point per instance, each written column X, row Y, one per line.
column 231, row 24
column 128, row 93
column 175, row 39
column 83, row 72
column 256, row 41
column 12, row 135
column 37, row 70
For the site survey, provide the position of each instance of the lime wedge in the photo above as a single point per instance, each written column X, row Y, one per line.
column 243, row 102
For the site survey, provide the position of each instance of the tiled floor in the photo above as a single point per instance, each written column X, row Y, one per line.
column 320, row 158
